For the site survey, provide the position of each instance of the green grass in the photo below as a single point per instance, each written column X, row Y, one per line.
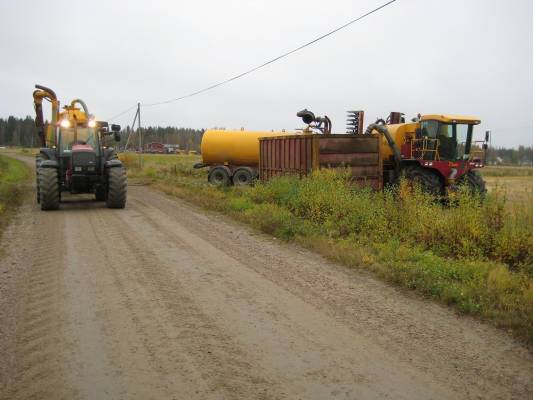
column 476, row 256
column 13, row 175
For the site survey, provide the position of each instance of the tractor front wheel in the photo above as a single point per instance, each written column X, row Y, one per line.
column 428, row 181
column 474, row 182
column 48, row 188
column 117, row 187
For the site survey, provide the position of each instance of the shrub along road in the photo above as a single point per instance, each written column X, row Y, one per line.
column 162, row 300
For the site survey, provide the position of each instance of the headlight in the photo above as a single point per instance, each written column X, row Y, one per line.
column 65, row 123
column 91, row 123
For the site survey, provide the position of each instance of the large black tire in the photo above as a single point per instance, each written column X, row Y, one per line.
column 219, row 176
column 116, row 188
column 428, row 181
column 474, row 182
column 48, row 184
column 243, row 177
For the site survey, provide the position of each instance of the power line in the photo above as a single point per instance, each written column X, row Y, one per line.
column 269, row 61
column 121, row 113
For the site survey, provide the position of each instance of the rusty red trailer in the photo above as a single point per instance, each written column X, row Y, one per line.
column 300, row 154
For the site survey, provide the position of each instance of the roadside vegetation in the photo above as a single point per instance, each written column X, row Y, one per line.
column 13, row 175
column 476, row 256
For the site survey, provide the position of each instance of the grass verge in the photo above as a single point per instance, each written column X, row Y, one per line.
column 476, row 257
column 13, row 175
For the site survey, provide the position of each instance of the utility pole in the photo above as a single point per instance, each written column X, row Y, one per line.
column 139, row 129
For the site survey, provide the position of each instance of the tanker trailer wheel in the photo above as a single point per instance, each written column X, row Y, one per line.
column 219, row 176
column 48, row 184
column 474, row 182
column 428, row 180
column 243, row 177
column 116, row 188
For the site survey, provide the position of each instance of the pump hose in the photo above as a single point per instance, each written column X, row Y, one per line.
column 385, row 132
column 82, row 103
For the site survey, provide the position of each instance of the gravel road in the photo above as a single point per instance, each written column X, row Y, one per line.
column 164, row 301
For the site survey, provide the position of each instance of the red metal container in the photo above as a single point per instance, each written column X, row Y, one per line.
column 301, row 154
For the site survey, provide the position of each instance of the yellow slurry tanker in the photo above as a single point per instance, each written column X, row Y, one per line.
column 232, row 155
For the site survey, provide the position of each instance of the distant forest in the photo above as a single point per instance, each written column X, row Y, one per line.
column 22, row 132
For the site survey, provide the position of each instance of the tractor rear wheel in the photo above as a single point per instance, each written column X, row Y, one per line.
column 48, row 188
column 117, row 187
column 428, row 181
column 474, row 182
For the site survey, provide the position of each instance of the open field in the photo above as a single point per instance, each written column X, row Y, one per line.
column 516, row 183
column 476, row 257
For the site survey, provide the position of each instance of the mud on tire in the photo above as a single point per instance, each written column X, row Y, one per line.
column 48, row 188
column 117, row 187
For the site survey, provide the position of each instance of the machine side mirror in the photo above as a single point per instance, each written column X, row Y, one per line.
column 115, row 128
column 117, row 136
column 487, row 136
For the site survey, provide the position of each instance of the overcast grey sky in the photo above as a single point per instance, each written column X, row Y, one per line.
column 451, row 56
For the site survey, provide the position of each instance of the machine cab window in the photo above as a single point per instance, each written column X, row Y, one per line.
column 454, row 137
column 78, row 135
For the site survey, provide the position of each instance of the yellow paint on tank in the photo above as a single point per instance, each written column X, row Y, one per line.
column 233, row 147
column 74, row 114
column 399, row 133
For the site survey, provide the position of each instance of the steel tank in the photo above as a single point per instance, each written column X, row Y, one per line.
column 234, row 147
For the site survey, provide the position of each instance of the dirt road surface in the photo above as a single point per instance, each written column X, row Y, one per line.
column 164, row 301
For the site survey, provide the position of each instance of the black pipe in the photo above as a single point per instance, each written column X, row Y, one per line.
column 395, row 150
column 47, row 90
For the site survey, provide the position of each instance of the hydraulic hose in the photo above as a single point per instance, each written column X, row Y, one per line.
column 385, row 132
column 82, row 103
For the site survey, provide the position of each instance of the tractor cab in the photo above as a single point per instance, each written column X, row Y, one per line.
column 447, row 137
column 78, row 144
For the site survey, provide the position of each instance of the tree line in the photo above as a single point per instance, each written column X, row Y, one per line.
column 186, row 138
column 22, row 132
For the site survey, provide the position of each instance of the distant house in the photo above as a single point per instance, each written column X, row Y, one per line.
column 171, row 148
column 154, row 147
